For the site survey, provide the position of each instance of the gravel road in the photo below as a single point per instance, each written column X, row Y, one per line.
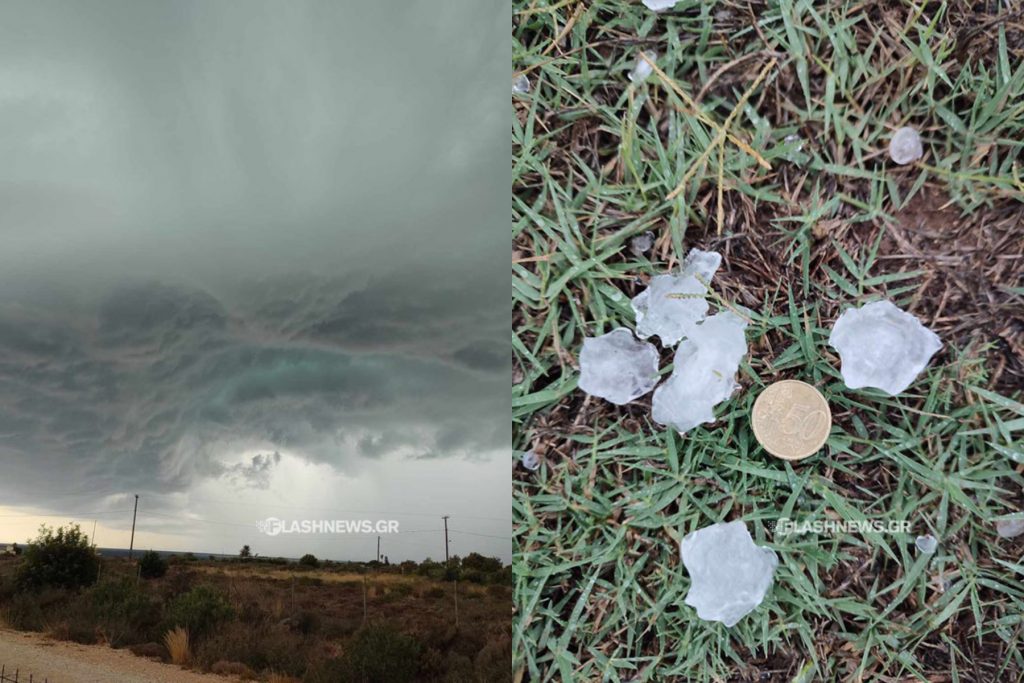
column 64, row 662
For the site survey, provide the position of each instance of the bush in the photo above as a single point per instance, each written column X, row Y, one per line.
column 380, row 654
column 258, row 647
column 23, row 612
column 485, row 565
column 434, row 592
column 61, row 558
column 307, row 623
column 499, row 591
column 308, row 560
column 152, row 566
column 403, row 589
column 124, row 614
column 199, row 610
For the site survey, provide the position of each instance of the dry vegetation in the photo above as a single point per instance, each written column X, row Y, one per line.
column 261, row 621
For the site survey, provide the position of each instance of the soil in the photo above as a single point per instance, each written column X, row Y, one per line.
column 45, row 660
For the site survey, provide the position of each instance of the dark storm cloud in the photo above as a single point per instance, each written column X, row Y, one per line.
column 238, row 228
column 163, row 376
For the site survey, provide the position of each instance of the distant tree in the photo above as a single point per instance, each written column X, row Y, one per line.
column 16, row 549
column 61, row 558
column 487, row 565
column 386, row 563
column 152, row 566
column 245, row 552
column 309, row 561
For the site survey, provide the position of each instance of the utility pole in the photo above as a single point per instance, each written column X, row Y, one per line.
column 445, row 540
column 378, row 548
column 131, row 546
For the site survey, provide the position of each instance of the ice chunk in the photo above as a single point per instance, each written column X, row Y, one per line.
column 905, row 146
column 882, row 347
column 642, row 69
column 520, row 84
column 531, row 461
column 672, row 304
column 926, row 544
column 704, row 374
column 1010, row 528
column 659, row 5
column 641, row 244
column 729, row 573
column 617, row 367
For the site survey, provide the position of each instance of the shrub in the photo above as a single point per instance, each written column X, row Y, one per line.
column 498, row 591
column 259, row 648
column 474, row 576
column 434, row 592
column 177, row 644
column 492, row 660
column 152, row 566
column 61, row 558
column 309, row 561
column 380, row 654
column 123, row 613
column 485, row 565
column 403, row 589
column 199, row 610
column 23, row 612
column 307, row 623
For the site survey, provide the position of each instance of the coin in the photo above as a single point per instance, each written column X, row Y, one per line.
column 791, row 419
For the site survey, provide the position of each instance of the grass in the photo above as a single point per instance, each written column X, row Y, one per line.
column 177, row 644
column 257, row 619
column 597, row 160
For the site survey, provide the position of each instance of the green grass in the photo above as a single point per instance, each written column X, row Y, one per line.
column 599, row 585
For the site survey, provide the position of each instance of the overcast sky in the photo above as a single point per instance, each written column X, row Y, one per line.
column 249, row 268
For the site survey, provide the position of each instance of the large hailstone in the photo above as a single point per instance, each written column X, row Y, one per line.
column 672, row 304
column 905, row 146
column 882, row 347
column 729, row 573
column 704, row 374
column 659, row 5
column 617, row 367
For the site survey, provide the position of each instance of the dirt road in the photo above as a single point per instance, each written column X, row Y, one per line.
column 63, row 662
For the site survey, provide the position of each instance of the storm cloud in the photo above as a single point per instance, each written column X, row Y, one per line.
column 239, row 236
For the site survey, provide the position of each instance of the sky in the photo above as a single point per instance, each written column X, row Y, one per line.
column 248, row 269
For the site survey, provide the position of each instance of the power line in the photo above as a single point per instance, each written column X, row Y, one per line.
column 470, row 533
column 73, row 514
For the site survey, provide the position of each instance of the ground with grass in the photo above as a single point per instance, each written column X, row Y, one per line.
column 698, row 154
column 260, row 620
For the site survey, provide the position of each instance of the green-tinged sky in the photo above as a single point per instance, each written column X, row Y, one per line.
column 249, row 268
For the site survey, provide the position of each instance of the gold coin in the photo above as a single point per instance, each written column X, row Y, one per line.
column 791, row 419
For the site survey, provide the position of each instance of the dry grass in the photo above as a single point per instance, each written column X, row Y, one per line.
column 178, row 648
